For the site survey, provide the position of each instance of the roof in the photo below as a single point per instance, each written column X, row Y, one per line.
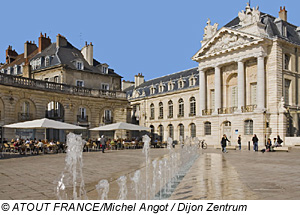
column 184, row 75
column 19, row 60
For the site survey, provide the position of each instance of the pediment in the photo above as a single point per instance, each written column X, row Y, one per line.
column 226, row 40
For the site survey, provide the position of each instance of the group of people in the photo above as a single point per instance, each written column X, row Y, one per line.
column 269, row 147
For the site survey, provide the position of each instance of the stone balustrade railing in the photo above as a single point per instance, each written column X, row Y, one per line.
column 17, row 81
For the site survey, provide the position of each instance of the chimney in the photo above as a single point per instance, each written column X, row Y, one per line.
column 44, row 42
column 138, row 80
column 11, row 55
column 61, row 41
column 88, row 51
column 29, row 47
column 283, row 14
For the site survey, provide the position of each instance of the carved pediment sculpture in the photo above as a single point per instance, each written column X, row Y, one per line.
column 135, row 94
column 249, row 16
column 228, row 41
column 210, row 30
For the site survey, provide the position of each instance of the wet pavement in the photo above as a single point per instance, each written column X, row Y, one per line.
column 214, row 175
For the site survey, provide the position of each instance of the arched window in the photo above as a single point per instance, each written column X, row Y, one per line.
column 192, row 106
column 192, row 82
column 180, row 108
column 152, row 111
column 170, row 105
column 248, row 127
column 193, row 130
column 207, row 128
column 180, row 84
column 161, row 110
column 171, row 131
column 181, row 131
column 161, row 132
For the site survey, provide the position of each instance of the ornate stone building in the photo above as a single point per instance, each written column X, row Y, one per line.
column 247, row 82
column 58, row 81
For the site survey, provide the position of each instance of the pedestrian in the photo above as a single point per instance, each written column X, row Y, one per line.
column 255, row 142
column 103, row 143
column 224, row 143
column 279, row 140
column 268, row 145
column 239, row 142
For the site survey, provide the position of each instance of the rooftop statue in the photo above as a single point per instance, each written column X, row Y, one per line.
column 210, row 30
column 249, row 16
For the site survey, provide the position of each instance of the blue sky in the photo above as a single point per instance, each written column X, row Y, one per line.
column 156, row 37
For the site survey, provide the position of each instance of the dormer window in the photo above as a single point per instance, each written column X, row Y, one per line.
column 161, row 88
column 104, row 70
column 79, row 65
column 47, row 61
column 192, row 81
column 180, row 84
column 152, row 90
column 170, row 85
column 16, row 69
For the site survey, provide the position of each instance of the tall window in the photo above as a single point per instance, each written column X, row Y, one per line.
column 192, row 81
column 104, row 70
column 287, row 84
column 107, row 115
column 180, row 108
column 82, row 112
column 207, row 128
column 161, row 110
column 248, row 127
column 105, row 86
column 253, row 93
column 180, row 84
column 56, row 79
column 152, row 111
column 161, row 132
column 212, row 99
column 234, row 96
column 80, row 83
column 192, row 106
column 193, row 130
column 161, row 88
column 79, row 65
column 25, row 108
column 181, row 130
column 171, row 131
column 47, row 61
column 170, row 86
column 170, row 105
column 287, row 59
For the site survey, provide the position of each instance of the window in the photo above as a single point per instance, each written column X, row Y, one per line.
column 46, row 79
column 207, row 128
column 25, row 108
column 180, row 108
column 287, row 84
column 82, row 112
column 170, row 105
column 80, row 83
column 105, row 86
column 171, row 131
column 47, row 61
column 57, row 79
column 192, row 81
column 161, row 88
column 180, row 84
column 104, row 70
column 253, row 93
column 161, row 110
column 234, row 96
column 107, row 115
column 181, row 131
column 170, row 86
column 79, row 65
column 193, row 130
column 287, row 59
column 212, row 99
column 248, row 127
column 152, row 90
column 192, row 106
column 152, row 111
column 16, row 69
column 161, row 132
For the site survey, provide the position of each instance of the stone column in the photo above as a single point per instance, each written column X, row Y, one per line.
column 202, row 91
column 260, row 93
column 241, row 85
column 217, row 89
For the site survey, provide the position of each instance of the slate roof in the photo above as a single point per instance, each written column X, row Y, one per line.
column 67, row 55
column 185, row 75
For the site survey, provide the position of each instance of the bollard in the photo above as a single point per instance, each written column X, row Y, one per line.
column 249, row 145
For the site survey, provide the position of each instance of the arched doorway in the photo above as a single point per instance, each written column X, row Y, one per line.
column 55, row 111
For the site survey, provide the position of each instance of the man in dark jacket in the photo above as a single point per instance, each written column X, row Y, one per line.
column 255, row 143
column 103, row 143
column 224, row 143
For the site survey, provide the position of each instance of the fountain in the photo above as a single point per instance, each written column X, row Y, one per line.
column 122, row 187
column 102, row 188
column 146, row 149
column 135, row 179
column 72, row 175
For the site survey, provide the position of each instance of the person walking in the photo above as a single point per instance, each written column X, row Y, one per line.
column 255, row 142
column 269, row 145
column 103, row 143
column 239, row 141
column 224, row 143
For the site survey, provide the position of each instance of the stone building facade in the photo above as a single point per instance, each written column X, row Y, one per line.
column 247, row 82
column 60, row 82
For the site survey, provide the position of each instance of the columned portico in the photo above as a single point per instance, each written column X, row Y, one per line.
column 241, row 85
column 260, row 82
column 217, row 89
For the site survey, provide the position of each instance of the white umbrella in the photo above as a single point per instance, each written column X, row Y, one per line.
column 120, row 126
column 44, row 124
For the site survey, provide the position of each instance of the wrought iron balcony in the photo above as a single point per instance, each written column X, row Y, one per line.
column 24, row 117
column 82, row 119
column 180, row 115
column 55, row 115
column 229, row 110
column 248, row 108
column 192, row 114
column 107, row 120
column 207, row 112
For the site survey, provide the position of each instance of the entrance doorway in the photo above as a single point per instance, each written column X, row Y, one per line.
column 227, row 129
